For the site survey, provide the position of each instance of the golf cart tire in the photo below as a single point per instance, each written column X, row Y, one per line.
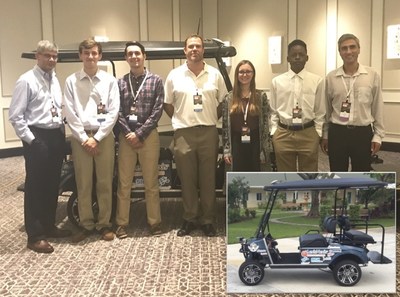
column 251, row 272
column 347, row 273
column 72, row 209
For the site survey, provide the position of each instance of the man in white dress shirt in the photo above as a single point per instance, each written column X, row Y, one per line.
column 298, row 111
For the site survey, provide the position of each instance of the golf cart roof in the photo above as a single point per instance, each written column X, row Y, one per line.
column 326, row 184
column 155, row 50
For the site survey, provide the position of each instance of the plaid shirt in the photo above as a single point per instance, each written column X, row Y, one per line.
column 149, row 104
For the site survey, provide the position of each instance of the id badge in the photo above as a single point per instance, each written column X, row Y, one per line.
column 55, row 116
column 101, row 110
column 296, row 118
column 345, row 111
column 132, row 115
column 198, row 103
column 245, row 138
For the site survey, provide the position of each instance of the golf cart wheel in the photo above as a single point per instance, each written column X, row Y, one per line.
column 251, row 273
column 72, row 209
column 347, row 273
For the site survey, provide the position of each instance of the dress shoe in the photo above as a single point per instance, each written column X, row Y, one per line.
column 81, row 235
column 40, row 246
column 107, row 234
column 186, row 228
column 209, row 230
column 58, row 233
column 156, row 229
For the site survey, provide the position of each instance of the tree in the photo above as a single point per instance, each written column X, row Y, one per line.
column 238, row 190
column 314, row 209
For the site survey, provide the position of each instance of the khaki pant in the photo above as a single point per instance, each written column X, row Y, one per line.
column 196, row 152
column 296, row 150
column 103, row 165
column 148, row 157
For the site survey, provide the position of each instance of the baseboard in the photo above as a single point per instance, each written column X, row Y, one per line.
column 390, row 147
column 11, row 152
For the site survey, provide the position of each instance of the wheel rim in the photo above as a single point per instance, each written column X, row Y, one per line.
column 252, row 274
column 348, row 274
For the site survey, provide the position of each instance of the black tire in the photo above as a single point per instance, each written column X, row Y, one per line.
column 72, row 208
column 251, row 273
column 347, row 273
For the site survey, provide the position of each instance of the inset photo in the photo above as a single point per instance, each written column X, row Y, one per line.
column 319, row 232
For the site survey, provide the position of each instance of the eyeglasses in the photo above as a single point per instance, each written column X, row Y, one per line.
column 245, row 72
column 48, row 57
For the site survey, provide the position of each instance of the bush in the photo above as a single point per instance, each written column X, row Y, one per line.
column 324, row 211
column 233, row 215
column 253, row 213
column 354, row 212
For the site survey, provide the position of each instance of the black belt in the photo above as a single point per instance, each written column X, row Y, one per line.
column 296, row 127
column 202, row 126
column 351, row 127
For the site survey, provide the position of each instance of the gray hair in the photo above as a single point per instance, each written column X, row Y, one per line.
column 45, row 45
column 348, row 36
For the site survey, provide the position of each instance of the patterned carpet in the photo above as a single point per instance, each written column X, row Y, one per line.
column 140, row 265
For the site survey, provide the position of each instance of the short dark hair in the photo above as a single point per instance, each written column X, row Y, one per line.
column 133, row 43
column 194, row 36
column 297, row 42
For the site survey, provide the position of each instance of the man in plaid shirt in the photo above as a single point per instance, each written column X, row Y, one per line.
column 142, row 98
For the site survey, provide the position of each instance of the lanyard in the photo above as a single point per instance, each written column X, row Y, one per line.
column 140, row 88
column 348, row 91
column 245, row 112
column 94, row 87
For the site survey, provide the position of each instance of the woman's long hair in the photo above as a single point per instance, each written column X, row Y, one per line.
column 254, row 102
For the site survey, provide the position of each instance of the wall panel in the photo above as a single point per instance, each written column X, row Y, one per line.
column 248, row 25
column 391, row 68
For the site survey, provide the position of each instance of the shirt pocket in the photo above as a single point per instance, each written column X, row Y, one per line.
column 363, row 94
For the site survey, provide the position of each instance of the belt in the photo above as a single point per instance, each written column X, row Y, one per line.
column 351, row 127
column 296, row 127
column 91, row 132
column 202, row 126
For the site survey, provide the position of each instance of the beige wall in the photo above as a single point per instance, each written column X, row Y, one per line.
column 246, row 24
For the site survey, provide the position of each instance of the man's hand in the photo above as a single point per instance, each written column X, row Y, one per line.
column 91, row 146
column 324, row 145
column 133, row 140
column 375, row 147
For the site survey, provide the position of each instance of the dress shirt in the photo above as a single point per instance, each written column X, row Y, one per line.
column 149, row 103
column 180, row 87
column 31, row 103
column 306, row 90
column 365, row 96
column 82, row 95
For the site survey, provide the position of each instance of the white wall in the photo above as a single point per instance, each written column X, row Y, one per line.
column 247, row 24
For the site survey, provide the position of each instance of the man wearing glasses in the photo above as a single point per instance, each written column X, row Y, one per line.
column 35, row 113
column 298, row 110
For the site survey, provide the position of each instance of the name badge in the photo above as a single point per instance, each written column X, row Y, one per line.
column 245, row 138
column 344, row 114
column 101, row 112
column 297, row 116
column 198, row 103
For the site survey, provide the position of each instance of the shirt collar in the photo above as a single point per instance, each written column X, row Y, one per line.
column 301, row 74
column 42, row 73
column 83, row 74
column 361, row 70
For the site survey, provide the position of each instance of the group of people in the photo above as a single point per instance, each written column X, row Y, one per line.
column 304, row 112
column 342, row 114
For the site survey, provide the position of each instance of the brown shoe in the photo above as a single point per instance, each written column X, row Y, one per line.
column 156, row 229
column 40, row 246
column 58, row 233
column 81, row 235
column 107, row 234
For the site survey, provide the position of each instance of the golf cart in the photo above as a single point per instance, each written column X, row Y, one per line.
column 342, row 249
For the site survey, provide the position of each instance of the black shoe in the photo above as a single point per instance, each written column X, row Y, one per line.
column 58, row 233
column 208, row 230
column 186, row 228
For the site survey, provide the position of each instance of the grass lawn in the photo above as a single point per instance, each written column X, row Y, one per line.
column 301, row 225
